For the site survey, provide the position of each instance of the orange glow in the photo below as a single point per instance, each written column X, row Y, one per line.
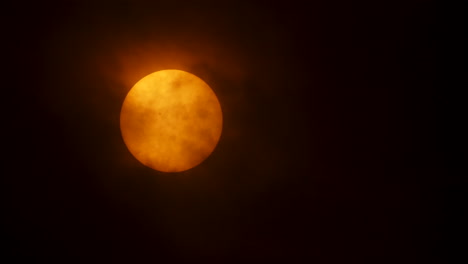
column 171, row 120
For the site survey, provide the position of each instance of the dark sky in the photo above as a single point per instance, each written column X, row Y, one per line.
column 328, row 152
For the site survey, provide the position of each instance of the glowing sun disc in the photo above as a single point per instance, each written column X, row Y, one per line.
column 171, row 120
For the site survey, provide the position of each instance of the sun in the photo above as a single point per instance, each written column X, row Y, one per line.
column 171, row 120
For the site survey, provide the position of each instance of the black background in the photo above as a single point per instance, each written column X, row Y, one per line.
column 328, row 152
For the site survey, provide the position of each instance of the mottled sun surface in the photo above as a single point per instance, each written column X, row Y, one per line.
column 171, row 120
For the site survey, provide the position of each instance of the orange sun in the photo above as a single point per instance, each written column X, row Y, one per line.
column 171, row 120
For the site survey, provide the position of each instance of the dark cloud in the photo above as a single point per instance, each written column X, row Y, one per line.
column 326, row 151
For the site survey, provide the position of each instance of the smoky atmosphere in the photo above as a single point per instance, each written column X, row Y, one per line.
column 327, row 149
